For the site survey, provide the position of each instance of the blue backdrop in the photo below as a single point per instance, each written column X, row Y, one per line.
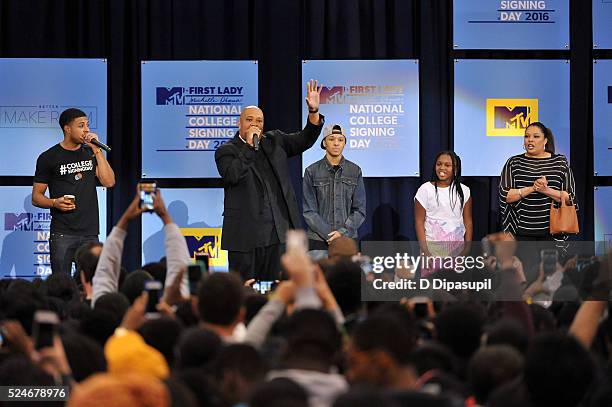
column 377, row 105
column 510, row 24
column 198, row 213
column 602, row 24
column 190, row 108
column 602, row 117
column 494, row 102
column 33, row 93
column 24, row 233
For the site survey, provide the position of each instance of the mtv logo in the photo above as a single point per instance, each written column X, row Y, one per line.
column 334, row 94
column 206, row 241
column 510, row 117
column 13, row 221
column 169, row 96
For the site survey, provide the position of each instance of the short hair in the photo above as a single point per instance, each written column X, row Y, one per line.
column 20, row 300
column 344, row 280
column 85, row 355
column 220, row 297
column 312, row 334
column 459, row 327
column 115, row 303
column 61, row 286
column 366, row 397
column 18, row 370
column 342, row 247
column 69, row 115
column 279, row 392
column 242, row 359
column 491, row 367
column 197, row 348
column 86, row 261
column 433, row 356
column 134, row 284
column 553, row 359
column 384, row 333
column 98, row 324
column 162, row 334
column 508, row 331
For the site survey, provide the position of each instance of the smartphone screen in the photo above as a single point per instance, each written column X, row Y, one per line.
column 204, row 259
column 194, row 273
column 264, row 287
column 45, row 327
column 154, row 288
column 549, row 261
column 147, row 191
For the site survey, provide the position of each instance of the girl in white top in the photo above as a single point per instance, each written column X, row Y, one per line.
column 443, row 209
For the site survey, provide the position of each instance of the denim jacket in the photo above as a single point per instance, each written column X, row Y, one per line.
column 333, row 200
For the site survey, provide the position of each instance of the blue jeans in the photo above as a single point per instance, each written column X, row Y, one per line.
column 62, row 249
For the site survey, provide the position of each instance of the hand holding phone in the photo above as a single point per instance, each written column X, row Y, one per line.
column 154, row 289
column 549, row 259
column 147, row 194
column 44, row 328
column 264, row 287
column 194, row 274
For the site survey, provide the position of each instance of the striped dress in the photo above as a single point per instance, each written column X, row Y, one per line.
column 530, row 216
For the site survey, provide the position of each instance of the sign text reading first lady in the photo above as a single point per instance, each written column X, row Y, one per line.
column 189, row 109
column 376, row 102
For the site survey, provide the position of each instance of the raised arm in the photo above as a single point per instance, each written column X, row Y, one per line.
column 177, row 253
column 106, row 277
column 297, row 143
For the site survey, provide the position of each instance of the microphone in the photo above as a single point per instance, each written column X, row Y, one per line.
column 100, row 144
column 256, row 142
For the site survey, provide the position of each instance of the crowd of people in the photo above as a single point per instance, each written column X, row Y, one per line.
column 312, row 340
column 309, row 342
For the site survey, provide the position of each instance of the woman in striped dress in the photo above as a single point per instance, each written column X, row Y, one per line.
column 529, row 184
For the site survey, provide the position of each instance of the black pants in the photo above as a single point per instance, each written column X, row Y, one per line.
column 261, row 263
column 62, row 249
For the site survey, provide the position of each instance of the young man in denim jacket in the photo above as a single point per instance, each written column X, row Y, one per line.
column 334, row 194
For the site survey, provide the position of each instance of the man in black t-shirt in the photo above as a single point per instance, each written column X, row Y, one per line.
column 71, row 168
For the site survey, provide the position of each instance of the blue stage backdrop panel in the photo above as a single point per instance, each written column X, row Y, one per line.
column 24, row 237
column 377, row 105
column 198, row 213
column 511, row 24
column 603, row 217
column 189, row 109
column 33, row 94
column 494, row 102
column 602, row 24
column 602, row 117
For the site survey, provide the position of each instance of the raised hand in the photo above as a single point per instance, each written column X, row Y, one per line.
column 313, row 95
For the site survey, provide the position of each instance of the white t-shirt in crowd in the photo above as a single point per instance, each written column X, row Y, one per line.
column 444, row 215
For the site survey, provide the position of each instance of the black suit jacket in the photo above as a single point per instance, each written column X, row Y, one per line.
column 242, row 203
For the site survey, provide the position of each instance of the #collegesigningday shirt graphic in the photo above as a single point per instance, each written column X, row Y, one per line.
column 69, row 172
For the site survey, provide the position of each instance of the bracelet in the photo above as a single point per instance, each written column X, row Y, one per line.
column 53, row 203
column 521, row 192
column 313, row 111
